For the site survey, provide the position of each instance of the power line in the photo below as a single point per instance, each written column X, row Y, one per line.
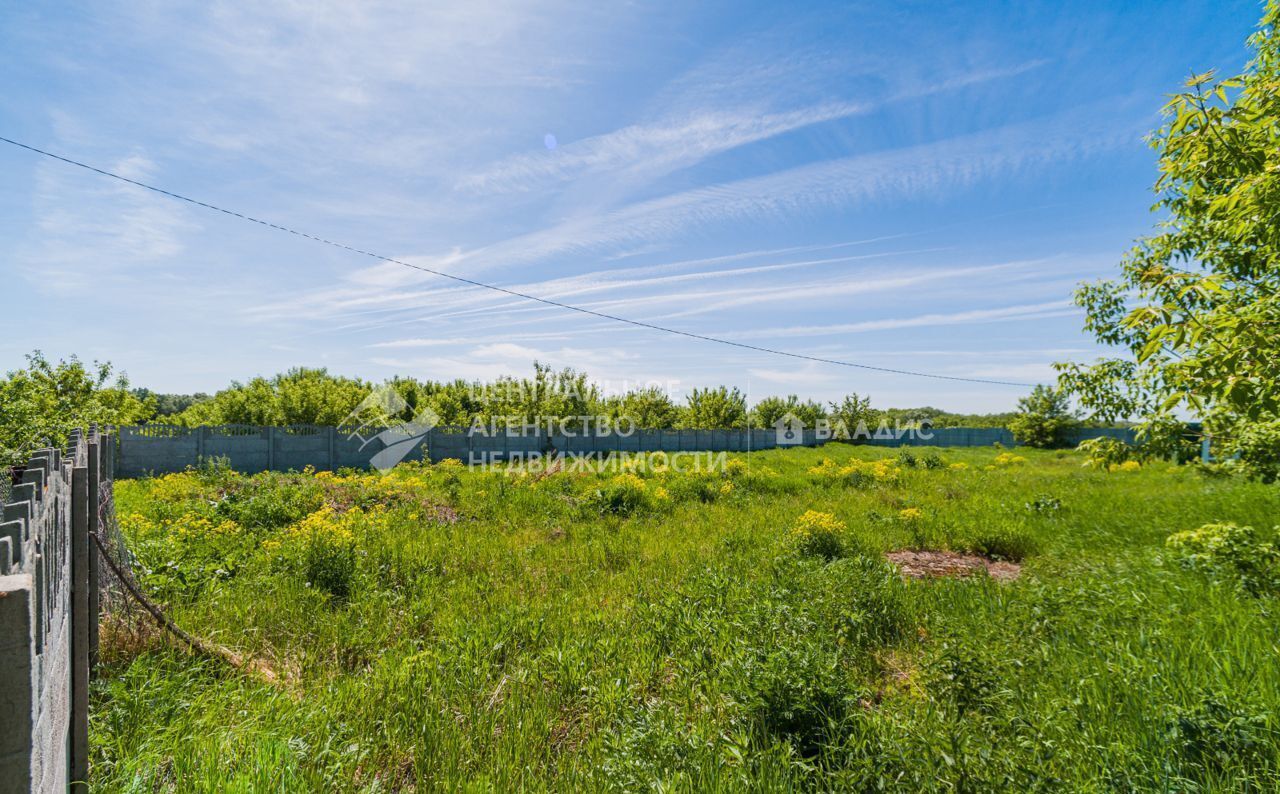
column 504, row 290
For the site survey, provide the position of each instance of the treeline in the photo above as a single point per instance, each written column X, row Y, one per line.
column 42, row 402
column 314, row 396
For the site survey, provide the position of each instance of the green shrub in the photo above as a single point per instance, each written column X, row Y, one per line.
column 1214, row 737
column 819, row 535
column 703, row 487
column 269, row 502
column 330, row 565
column 933, row 461
column 1231, row 553
column 964, row 678
column 906, row 459
column 1257, row 446
column 999, row 542
column 621, row 496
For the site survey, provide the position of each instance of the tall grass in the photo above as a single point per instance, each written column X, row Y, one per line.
column 446, row 628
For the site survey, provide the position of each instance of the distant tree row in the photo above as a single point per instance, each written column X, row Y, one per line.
column 304, row 396
column 43, row 401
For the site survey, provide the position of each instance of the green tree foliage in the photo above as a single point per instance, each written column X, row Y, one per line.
column 41, row 404
column 854, row 410
column 937, row 417
column 169, row 404
column 649, row 407
column 710, row 408
column 1043, row 418
column 548, row 395
column 1196, row 309
column 768, row 411
column 299, row 396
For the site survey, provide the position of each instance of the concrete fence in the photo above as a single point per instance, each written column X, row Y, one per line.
column 986, row 436
column 155, row 449
column 159, row 449
column 48, row 614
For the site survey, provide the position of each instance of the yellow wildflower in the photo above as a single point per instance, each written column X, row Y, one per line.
column 1008, row 459
column 629, row 480
column 813, row 522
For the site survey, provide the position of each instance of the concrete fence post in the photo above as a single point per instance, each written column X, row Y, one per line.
column 18, row 708
column 80, row 504
column 95, row 504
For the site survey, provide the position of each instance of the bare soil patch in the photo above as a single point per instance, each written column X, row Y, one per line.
column 933, row 564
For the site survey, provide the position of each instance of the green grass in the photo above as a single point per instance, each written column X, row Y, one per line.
column 594, row 632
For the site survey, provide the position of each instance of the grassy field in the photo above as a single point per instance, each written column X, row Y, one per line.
column 442, row 628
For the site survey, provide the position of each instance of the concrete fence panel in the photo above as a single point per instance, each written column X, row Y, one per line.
column 47, row 616
column 159, row 449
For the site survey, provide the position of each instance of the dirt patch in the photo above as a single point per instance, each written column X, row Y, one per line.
column 932, row 564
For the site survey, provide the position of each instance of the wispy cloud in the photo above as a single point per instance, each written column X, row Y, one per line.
column 113, row 232
column 654, row 148
column 1033, row 311
column 931, row 170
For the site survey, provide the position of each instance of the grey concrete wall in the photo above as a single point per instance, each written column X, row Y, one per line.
column 35, row 634
column 157, row 449
column 985, row 437
column 46, row 611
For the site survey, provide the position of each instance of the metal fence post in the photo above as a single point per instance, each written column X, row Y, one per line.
column 80, row 502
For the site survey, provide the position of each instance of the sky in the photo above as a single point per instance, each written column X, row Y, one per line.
column 908, row 185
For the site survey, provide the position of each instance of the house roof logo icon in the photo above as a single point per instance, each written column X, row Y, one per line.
column 789, row 429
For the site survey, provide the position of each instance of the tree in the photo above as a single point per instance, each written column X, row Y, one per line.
column 716, row 408
column 644, row 408
column 1043, row 418
column 854, row 411
column 42, row 404
column 1197, row 306
column 768, row 411
column 299, row 396
column 167, row 404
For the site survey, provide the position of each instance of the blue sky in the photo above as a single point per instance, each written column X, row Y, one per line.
column 910, row 185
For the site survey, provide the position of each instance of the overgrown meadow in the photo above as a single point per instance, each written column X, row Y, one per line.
column 440, row 627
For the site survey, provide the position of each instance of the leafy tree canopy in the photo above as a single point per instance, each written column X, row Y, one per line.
column 1196, row 309
column 1043, row 418
column 41, row 404
column 715, row 408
